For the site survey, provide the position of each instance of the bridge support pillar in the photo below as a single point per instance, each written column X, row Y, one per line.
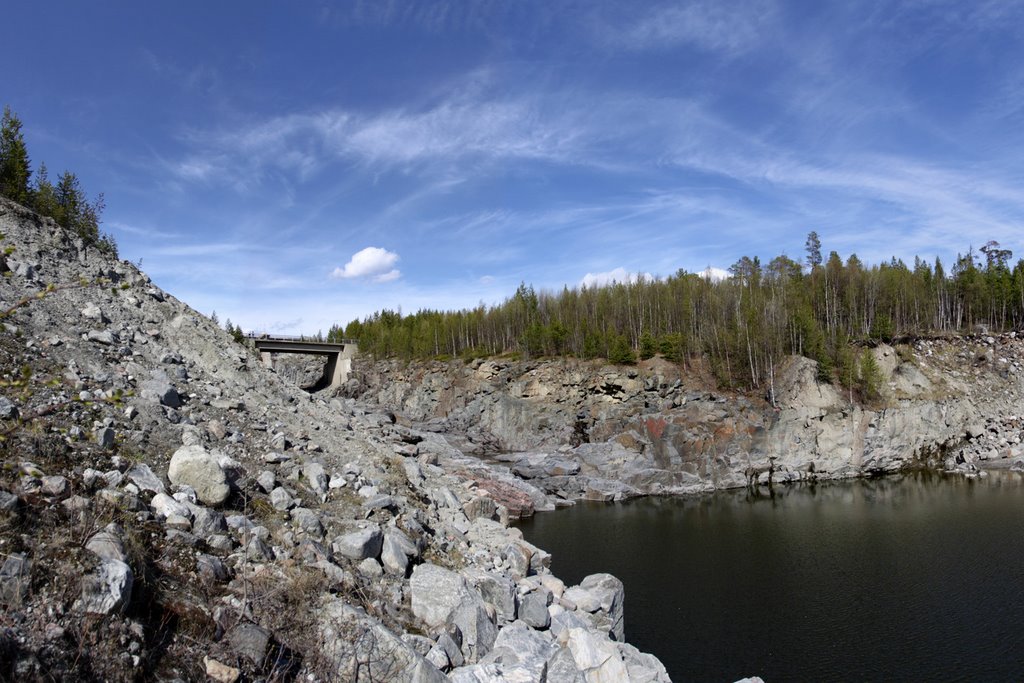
column 339, row 366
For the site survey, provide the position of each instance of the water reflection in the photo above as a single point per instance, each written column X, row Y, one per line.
column 917, row 576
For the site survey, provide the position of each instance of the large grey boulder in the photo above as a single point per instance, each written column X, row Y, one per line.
column 308, row 521
column 643, row 667
column 14, row 579
column 437, row 592
column 359, row 545
column 603, row 595
column 522, row 646
column 250, row 642
column 596, row 656
column 442, row 597
column 142, row 476
column 107, row 544
column 8, row 410
column 497, row 589
column 478, row 631
column 107, row 589
column 317, row 479
column 196, row 467
column 160, row 390
column 355, row 646
column 165, row 506
column 396, row 551
column 533, row 608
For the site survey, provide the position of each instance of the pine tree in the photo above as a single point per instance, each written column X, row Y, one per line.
column 647, row 346
column 813, row 246
column 44, row 196
column 14, row 164
column 870, row 380
column 621, row 353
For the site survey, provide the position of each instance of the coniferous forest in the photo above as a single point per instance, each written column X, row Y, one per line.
column 742, row 325
column 65, row 202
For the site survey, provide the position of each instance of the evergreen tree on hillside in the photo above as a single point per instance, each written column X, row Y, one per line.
column 77, row 214
column 44, row 195
column 66, row 202
column 14, row 164
column 870, row 379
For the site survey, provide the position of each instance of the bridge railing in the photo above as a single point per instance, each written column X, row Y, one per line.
column 298, row 338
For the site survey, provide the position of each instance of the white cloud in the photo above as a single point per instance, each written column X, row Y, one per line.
column 392, row 274
column 372, row 263
column 487, row 279
column 714, row 274
column 620, row 275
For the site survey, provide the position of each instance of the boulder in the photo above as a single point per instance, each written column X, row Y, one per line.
column 196, row 467
column 597, row 657
column 355, row 646
column 249, row 641
column 107, row 544
column 308, row 521
column 211, row 568
column 107, row 589
column 105, row 437
column 266, row 481
column 359, row 545
column 160, row 390
column 220, row 672
column 396, row 551
column 206, row 522
column 316, row 478
column 165, row 506
column 14, row 579
column 55, row 488
column 496, row 589
column 143, row 477
column 280, row 499
column 477, row 628
column 105, row 337
column 437, row 592
column 601, row 594
column 8, row 411
column 528, row 649
column 533, row 608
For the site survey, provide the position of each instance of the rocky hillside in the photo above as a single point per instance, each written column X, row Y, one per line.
column 172, row 510
column 583, row 430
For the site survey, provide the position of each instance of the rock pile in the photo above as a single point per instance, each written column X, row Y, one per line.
column 171, row 509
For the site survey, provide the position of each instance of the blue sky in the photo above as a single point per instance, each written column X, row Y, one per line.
column 291, row 165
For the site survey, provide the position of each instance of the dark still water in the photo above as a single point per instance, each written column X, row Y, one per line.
column 913, row 578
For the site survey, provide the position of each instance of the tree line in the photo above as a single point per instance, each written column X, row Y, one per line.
column 65, row 201
column 743, row 324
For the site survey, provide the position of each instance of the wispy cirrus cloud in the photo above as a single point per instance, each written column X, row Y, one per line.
column 723, row 26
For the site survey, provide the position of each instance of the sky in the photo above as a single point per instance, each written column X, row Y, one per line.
column 295, row 165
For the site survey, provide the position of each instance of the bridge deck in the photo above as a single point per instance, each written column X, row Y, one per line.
column 298, row 345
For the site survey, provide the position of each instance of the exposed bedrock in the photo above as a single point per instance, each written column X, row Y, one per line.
column 582, row 430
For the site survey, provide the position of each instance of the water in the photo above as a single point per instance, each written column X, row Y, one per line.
column 919, row 577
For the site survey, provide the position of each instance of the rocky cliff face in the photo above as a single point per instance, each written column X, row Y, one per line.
column 583, row 430
column 170, row 509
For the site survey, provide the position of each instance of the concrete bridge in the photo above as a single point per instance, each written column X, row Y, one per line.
column 339, row 355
